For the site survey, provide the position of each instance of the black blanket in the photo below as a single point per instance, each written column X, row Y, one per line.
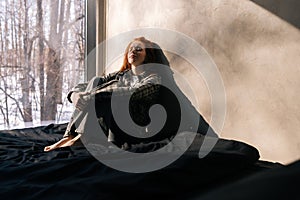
column 27, row 172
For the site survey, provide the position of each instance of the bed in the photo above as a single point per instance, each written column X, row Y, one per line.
column 229, row 171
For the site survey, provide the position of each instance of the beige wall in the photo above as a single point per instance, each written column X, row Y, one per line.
column 257, row 54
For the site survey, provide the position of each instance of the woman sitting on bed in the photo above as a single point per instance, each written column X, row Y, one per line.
column 146, row 78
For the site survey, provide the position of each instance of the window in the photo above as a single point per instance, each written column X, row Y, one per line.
column 42, row 45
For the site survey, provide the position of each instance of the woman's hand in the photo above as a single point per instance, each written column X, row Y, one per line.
column 80, row 99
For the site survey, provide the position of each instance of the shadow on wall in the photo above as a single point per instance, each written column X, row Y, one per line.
column 288, row 10
column 254, row 43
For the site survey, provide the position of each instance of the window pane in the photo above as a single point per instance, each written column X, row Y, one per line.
column 42, row 45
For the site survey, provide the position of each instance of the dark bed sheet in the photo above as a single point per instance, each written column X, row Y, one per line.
column 279, row 183
column 26, row 172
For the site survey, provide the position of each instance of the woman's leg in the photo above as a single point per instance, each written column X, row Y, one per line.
column 70, row 135
column 64, row 142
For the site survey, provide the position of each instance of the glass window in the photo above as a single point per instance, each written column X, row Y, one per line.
column 42, row 45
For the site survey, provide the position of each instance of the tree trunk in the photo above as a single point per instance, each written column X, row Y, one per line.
column 26, row 81
column 41, row 57
column 53, row 65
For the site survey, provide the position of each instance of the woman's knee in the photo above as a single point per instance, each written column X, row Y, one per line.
column 93, row 83
column 95, row 80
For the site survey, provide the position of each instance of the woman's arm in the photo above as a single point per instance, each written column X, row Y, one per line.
column 80, row 89
column 146, row 88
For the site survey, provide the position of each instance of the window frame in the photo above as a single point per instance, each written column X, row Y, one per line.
column 95, row 34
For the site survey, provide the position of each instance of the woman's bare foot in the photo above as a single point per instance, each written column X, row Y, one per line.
column 64, row 142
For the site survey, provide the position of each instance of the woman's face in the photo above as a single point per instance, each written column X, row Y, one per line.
column 136, row 54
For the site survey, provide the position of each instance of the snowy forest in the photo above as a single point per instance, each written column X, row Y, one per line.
column 42, row 45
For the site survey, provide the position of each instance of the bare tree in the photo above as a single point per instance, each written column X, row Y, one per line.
column 41, row 56
column 26, row 81
column 38, row 47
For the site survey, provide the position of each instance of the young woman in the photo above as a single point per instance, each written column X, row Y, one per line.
column 146, row 78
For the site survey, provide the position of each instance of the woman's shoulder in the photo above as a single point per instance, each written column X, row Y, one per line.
column 118, row 73
column 112, row 75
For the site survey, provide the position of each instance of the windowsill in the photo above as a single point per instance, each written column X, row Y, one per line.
column 31, row 124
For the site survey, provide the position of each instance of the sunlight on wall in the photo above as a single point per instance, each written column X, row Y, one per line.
column 257, row 53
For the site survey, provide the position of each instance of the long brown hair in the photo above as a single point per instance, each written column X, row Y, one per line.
column 154, row 54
